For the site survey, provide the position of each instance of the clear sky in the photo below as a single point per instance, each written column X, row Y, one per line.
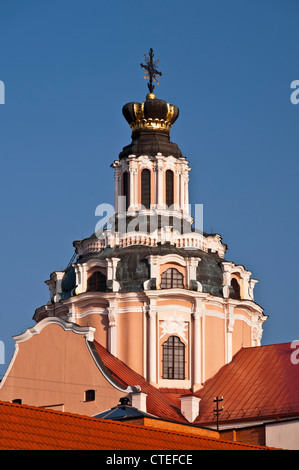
column 69, row 66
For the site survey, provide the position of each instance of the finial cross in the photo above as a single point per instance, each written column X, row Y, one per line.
column 151, row 71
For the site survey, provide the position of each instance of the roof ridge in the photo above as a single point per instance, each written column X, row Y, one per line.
column 264, row 346
column 129, row 425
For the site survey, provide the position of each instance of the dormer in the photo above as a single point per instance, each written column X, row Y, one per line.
column 236, row 282
column 172, row 271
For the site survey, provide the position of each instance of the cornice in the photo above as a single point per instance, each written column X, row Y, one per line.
column 87, row 331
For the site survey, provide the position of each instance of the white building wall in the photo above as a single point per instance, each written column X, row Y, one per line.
column 283, row 435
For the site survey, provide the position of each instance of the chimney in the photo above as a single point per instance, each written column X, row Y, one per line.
column 190, row 407
column 139, row 400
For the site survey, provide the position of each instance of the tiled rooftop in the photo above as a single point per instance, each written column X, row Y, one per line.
column 30, row 428
column 259, row 382
column 158, row 404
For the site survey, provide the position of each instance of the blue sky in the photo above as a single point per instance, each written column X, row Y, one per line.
column 69, row 66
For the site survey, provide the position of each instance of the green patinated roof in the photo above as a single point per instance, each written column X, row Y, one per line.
column 133, row 268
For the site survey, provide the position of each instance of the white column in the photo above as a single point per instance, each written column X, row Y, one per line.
column 155, row 185
column 182, row 192
column 245, row 286
column 177, row 195
column 111, row 272
column 112, row 328
column 227, row 266
column 133, row 186
column 229, row 333
column 192, row 264
column 252, row 283
column 131, row 196
column 160, row 185
column 197, row 355
column 81, row 278
column 154, row 262
column 186, row 194
column 152, row 354
column 59, row 277
column 116, row 189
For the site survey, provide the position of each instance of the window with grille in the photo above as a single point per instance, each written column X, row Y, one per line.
column 172, row 278
column 96, row 282
column 126, row 188
column 146, row 188
column 173, row 358
column 90, row 395
column 169, row 188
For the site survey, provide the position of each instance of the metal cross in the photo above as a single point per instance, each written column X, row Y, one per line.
column 151, row 71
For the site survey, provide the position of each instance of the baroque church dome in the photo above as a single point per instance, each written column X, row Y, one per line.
column 156, row 288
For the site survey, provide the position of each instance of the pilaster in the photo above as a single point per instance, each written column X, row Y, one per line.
column 197, row 347
column 152, row 353
column 229, row 333
column 112, row 327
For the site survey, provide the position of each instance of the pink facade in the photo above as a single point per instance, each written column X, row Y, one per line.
column 53, row 368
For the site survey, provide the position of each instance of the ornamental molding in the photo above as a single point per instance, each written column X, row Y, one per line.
column 231, row 268
column 108, row 377
column 86, row 331
column 172, row 307
column 257, row 333
column 95, row 263
column 145, row 162
column 175, row 325
column 170, row 163
column 159, row 166
column 159, row 260
column 91, row 311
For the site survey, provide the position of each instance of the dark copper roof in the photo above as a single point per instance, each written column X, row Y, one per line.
column 133, row 268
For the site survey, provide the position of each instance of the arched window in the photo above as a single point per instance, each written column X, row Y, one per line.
column 126, row 188
column 172, row 278
column 169, row 188
column 146, row 188
column 96, row 282
column 173, row 358
column 236, row 289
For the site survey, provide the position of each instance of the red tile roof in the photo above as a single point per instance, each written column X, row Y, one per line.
column 30, row 428
column 260, row 382
column 158, row 403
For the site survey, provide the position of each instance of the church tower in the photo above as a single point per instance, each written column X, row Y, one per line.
column 158, row 290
